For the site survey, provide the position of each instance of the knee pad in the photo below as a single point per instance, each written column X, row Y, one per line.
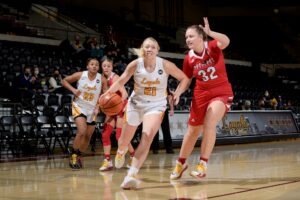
column 107, row 130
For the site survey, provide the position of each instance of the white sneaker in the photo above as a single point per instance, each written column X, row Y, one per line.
column 200, row 171
column 120, row 159
column 178, row 170
column 106, row 165
column 130, row 183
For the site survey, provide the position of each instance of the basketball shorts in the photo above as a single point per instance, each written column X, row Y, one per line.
column 88, row 113
column 202, row 99
column 135, row 111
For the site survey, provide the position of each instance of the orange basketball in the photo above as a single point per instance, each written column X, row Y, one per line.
column 111, row 104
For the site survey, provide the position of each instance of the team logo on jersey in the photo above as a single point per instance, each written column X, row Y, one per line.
column 97, row 81
column 160, row 72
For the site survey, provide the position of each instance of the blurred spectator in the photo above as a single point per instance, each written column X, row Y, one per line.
column 96, row 50
column 247, row 105
column 110, row 37
column 267, row 99
column 37, row 87
column 25, row 84
column 280, row 103
column 261, row 104
column 55, row 82
column 289, row 106
column 44, row 84
column 76, row 44
column 119, row 67
column 274, row 103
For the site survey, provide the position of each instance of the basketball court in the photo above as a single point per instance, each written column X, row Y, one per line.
column 250, row 171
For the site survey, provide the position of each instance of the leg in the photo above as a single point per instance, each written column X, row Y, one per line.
column 214, row 114
column 189, row 140
column 87, row 137
column 151, row 124
column 81, row 130
column 75, row 157
column 119, row 125
column 118, row 134
column 107, row 130
column 155, row 143
column 126, row 136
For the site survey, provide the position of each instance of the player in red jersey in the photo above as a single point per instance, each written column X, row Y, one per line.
column 112, row 121
column 212, row 96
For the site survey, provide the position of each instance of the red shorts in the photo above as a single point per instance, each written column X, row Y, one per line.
column 202, row 98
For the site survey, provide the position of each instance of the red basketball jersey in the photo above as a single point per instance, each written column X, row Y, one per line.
column 208, row 68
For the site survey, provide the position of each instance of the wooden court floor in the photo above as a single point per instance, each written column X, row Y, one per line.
column 251, row 171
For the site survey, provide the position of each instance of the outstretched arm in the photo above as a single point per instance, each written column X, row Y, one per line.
column 129, row 71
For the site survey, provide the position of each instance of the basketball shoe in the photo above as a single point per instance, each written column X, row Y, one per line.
column 200, row 171
column 120, row 158
column 106, row 165
column 130, row 182
column 75, row 161
column 178, row 170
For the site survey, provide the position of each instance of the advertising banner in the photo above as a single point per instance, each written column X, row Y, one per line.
column 239, row 123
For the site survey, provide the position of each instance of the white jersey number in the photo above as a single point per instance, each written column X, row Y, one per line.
column 209, row 74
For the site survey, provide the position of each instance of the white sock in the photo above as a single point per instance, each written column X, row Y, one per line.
column 121, row 152
column 132, row 171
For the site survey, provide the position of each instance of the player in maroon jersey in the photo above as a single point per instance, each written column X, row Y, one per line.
column 212, row 96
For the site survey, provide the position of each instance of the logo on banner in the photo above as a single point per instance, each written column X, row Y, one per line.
column 235, row 127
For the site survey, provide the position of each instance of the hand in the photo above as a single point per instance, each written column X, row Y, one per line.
column 77, row 93
column 206, row 27
column 32, row 79
column 176, row 98
column 103, row 95
column 171, row 112
column 96, row 110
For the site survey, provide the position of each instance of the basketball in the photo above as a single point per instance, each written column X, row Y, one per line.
column 111, row 104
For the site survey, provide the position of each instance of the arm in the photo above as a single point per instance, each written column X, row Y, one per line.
column 129, row 71
column 122, row 89
column 222, row 40
column 174, row 71
column 66, row 82
column 104, row 88
column 171, row 103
